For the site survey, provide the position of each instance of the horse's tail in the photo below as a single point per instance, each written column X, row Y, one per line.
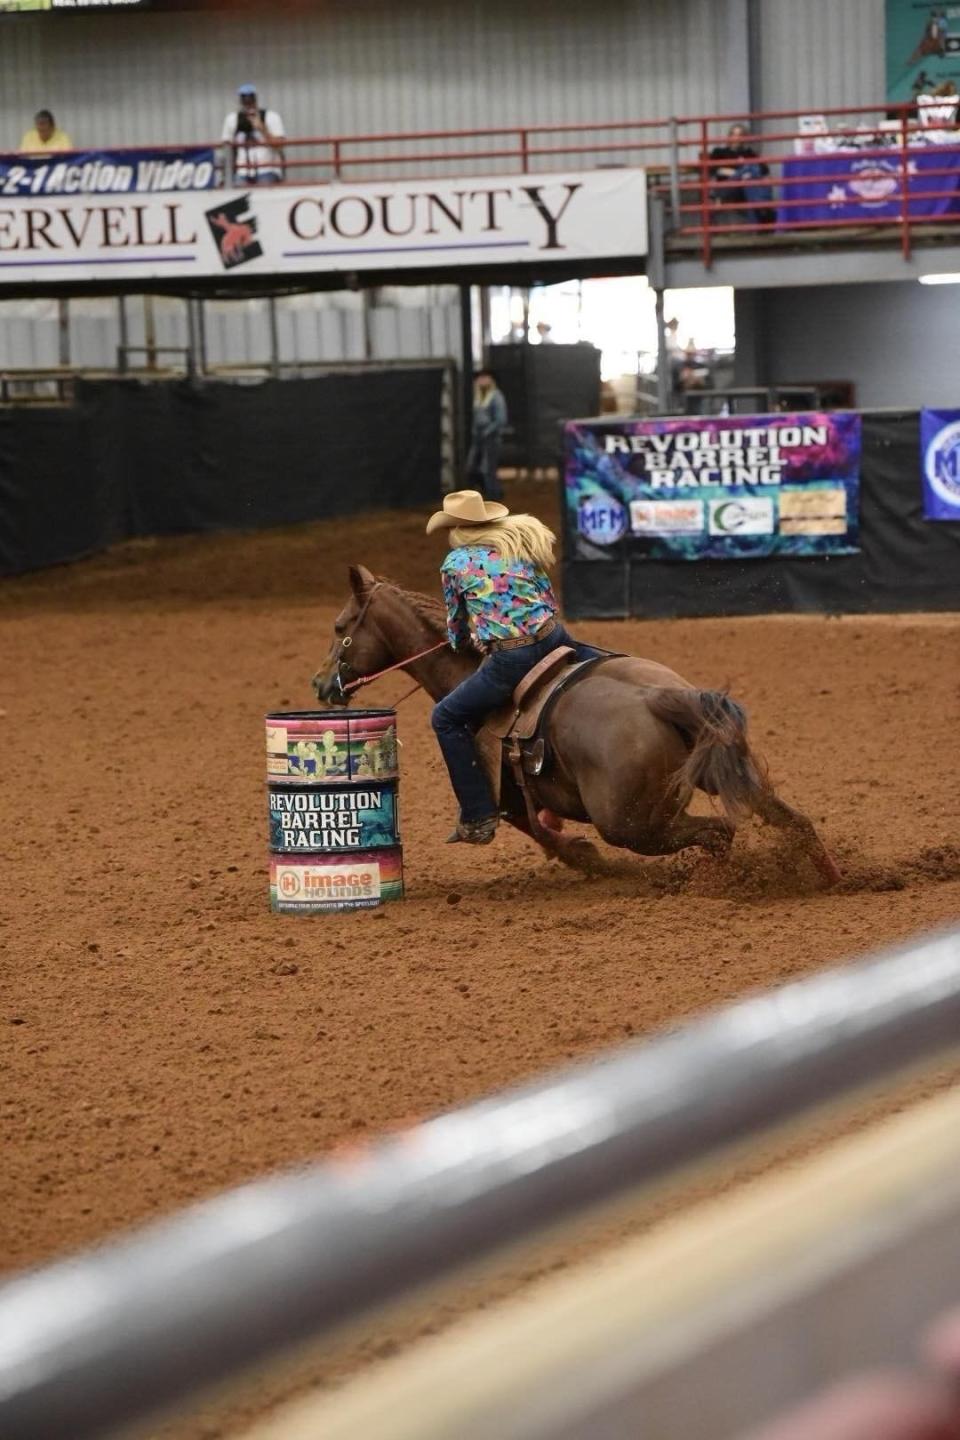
column 721, row 761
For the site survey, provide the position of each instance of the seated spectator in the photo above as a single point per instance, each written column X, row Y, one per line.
column 257, row 136
column 45, row 136
column 750, row 201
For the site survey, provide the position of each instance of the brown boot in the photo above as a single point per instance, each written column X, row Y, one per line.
column 475, row 832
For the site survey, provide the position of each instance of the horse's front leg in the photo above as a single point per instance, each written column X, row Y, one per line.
column 572, row 850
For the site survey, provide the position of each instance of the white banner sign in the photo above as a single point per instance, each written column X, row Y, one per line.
column 502, row 219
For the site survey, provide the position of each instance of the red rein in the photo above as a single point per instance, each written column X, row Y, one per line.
column 369, row 679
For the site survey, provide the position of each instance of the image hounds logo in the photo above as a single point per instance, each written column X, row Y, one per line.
column 234, row 231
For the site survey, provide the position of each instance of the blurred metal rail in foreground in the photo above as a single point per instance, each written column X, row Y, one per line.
column 107, row 1338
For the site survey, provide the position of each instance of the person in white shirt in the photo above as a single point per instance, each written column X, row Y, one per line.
column 257, row 137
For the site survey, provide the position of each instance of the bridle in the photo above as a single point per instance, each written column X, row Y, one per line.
column 343, row 664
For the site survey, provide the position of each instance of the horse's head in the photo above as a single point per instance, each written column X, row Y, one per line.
column 357, row 648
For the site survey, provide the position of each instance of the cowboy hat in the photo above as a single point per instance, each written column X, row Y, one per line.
column 465, row 507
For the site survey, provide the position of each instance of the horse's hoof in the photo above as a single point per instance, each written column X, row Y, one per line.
column 828, row 868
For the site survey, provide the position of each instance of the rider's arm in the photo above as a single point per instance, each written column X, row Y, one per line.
column 458, row 630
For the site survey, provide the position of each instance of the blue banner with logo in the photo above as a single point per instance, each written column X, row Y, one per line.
column 109, row 172
column 717, row 488
column 940, row 463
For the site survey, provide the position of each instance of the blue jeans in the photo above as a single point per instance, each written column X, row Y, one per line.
column 459, row 715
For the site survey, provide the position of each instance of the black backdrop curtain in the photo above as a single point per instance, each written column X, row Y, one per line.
column 131, row 458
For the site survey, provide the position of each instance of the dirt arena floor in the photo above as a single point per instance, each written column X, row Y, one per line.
column 162, row 1036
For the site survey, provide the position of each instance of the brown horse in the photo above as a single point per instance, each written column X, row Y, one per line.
column 629, row 744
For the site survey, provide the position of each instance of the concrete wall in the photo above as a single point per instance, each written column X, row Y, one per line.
column 896, row 342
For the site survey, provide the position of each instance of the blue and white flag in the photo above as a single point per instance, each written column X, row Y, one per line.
column 940, row 463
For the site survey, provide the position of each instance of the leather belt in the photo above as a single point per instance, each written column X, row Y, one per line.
column 547, row 628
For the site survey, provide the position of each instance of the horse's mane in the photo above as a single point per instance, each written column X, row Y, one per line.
column 426, row 607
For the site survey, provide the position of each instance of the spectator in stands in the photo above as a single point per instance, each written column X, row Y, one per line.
column 737, row 161
column 694, row 374
column 45, row 136
column 489, row 423
column 257, row 137
column 674, row 354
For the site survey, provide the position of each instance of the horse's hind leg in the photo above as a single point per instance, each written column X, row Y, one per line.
column 710, row 832
column 783, row 816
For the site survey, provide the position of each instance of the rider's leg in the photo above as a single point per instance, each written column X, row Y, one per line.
column 457, row 717
column 455, row 720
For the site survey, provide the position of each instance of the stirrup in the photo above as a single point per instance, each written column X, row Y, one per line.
column 475, row 832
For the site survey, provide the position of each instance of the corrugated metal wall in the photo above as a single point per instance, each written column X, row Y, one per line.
column 422, row 324
column 820, row 53
column 363, row 66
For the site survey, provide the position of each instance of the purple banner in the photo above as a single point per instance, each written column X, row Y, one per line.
column 848, row 186
column 719, row 488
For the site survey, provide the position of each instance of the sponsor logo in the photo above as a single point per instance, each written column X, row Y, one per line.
column 234, row 230
column 604, row 521
column 332, row 882
column 941, row 464
column 813, row 511
column 667, row 517
column 752, row 515
column 874, row 182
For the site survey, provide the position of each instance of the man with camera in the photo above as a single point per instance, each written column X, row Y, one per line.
column 256, row 136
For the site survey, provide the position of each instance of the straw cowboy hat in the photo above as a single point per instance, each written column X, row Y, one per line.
column 465, row 507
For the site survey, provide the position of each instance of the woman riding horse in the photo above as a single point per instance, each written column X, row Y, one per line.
column 499, row 598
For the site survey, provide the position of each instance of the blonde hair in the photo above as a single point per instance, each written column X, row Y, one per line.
column 517, row 537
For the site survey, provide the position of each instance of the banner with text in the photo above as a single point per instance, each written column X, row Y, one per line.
column 718, row 488
column 503, row 219
column 108, row 172
column 940, row 464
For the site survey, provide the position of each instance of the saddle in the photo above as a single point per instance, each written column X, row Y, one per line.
column 513, row 737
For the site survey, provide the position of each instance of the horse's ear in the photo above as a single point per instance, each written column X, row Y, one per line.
column 361, row 580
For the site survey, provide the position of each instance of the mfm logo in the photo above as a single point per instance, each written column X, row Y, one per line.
column 234, row 231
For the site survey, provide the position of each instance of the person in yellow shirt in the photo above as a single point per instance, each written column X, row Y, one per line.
column 45, row 135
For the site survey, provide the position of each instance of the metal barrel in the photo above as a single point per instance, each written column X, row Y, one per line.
column 334, row 819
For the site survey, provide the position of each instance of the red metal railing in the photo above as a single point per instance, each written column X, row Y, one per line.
column 703, row 205
column 890, row 174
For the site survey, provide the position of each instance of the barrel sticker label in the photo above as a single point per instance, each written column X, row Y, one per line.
column 277, row 750
column 331, row 884
column 322, row 756
column 373, row 750
column 340, row 819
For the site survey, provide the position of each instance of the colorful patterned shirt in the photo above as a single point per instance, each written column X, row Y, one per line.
column 497, row 598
